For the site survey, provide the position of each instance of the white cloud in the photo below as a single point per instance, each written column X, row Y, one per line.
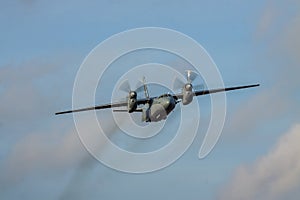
column 52, row 151
column 260, row 108
column 277, row 174
column 274, row 176
column 267, row 19
column 279, row 27
column 290, row 40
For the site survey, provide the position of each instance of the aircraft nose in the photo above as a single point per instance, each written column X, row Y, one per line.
column 166, row 103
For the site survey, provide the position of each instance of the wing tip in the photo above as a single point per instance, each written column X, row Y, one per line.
column 64, row 112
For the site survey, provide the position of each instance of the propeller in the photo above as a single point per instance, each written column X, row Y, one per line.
column 199, row 87
column 125, row 86
column 140, row 86
column 190, row 77
column 178, row 83
column 131, row 98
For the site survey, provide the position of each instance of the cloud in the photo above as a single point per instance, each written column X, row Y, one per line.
column 48, row 145
column 277, row 96
column 84, row 167
column 274, row 176
column 48, row 152
column 267, row 19
column 290, row 40
column 260, row 108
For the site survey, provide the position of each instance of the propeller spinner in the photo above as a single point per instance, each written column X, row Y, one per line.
column 132, row 95
column 187, row 88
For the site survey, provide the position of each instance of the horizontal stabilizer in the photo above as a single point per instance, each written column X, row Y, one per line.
column 138, row 110
column 120, row 110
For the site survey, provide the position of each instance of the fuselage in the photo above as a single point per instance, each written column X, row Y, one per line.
column 159, row 108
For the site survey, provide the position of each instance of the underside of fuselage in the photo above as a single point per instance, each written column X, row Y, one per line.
column 158, row 109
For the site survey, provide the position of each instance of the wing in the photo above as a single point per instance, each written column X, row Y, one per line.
column 104, row 106
column 205, row 92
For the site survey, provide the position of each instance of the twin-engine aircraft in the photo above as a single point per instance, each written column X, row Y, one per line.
column 157, row 108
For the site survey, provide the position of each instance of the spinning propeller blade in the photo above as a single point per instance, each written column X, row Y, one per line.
column 141, row 86
column 178, row 83
column 190, row 76
column 199, row 87
column 125, row 86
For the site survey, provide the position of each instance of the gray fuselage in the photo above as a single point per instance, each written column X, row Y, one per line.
column 159, row 108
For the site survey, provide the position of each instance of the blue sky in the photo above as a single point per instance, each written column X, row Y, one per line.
column 43, row 44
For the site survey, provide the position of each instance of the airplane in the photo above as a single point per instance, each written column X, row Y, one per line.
column 157, row 108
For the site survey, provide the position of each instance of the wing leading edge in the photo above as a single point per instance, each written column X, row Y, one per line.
column 94, row 108
column 204, row 92
column 104, row 106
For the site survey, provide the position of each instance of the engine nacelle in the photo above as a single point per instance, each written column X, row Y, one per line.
column 187, row 94
column 132, row 103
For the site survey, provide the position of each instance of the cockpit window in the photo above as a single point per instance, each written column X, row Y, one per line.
column 165, row 95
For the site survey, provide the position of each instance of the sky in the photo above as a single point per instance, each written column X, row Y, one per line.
column 43, row 44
